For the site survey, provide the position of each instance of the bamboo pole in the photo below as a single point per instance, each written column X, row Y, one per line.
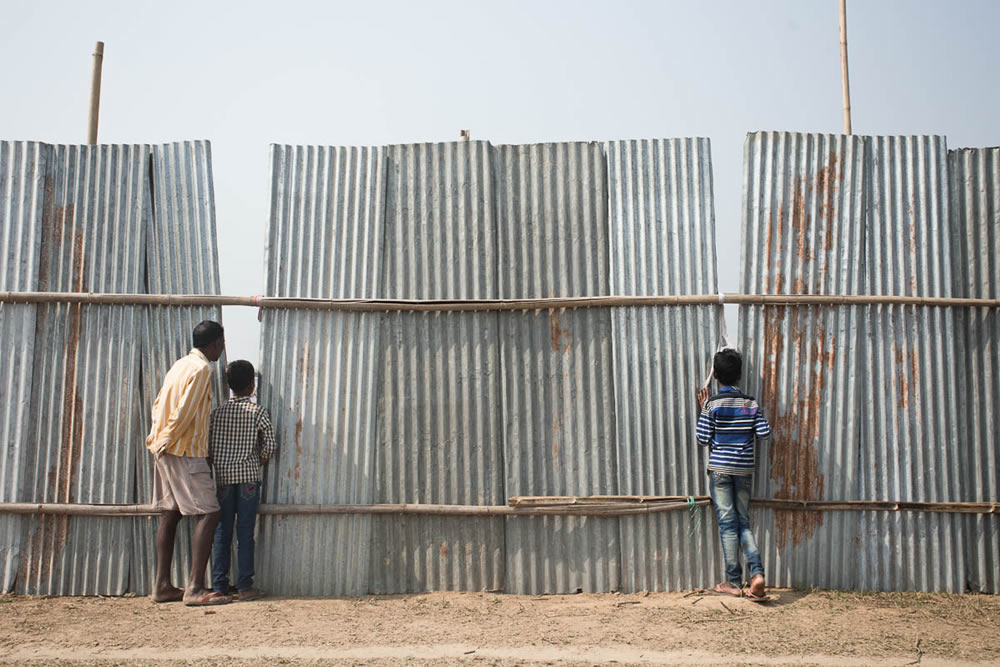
column 541, row 506
column 95, row 93
column 473, row 305
column 845, row 81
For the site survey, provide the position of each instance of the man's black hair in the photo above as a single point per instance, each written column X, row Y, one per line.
column 239, row 375
column 206, row 333
column 728, row 366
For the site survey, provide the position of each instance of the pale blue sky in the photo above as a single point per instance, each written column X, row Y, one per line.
column 247, row 74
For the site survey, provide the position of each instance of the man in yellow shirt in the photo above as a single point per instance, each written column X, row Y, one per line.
column 182, row 480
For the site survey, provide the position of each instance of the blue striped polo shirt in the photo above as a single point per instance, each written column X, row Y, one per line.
column 727, row 425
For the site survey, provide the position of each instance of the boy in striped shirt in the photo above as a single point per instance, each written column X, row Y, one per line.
column 728, row 424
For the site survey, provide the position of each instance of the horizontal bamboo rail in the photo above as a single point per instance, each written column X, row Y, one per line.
column 475, row 305
column 533, row 506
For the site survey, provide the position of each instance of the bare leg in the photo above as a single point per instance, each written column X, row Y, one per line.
column 163, row 591
column 201, row 548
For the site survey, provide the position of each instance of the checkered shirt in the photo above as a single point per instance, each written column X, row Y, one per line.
column 240, row 440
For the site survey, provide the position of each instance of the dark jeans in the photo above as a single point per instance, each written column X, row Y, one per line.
column 239, row 502
column 731, row 497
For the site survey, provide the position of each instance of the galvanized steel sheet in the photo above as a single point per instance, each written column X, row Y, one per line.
column 662, row 241
column 804, row 225
column 182, row 258
column 319, row 369
column 975, row 196
column 558, row 387
column 439, row 414
column 911, row 403
column 22, row 192
column 79, row 443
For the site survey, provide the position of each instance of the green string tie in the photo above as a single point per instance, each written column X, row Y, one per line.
column 695, row 516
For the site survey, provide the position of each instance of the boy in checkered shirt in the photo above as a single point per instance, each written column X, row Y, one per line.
column 240, row 442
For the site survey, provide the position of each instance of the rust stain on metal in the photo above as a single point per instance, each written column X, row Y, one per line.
column 902, row 384
column 444, row 550
column 907, row 377
column 58, row 236
column 556, row 435
column 822, row 187
column 298, row 447
column 793, row 460
column 303, row 370
column 562, row 339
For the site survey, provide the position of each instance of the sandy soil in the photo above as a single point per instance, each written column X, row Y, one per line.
column 801, row 628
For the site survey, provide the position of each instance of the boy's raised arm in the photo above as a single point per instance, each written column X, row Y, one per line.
column 762, row 428
column 706, row 425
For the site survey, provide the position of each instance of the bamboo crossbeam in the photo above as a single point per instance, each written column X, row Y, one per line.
column 477, row 305
column 534, row 506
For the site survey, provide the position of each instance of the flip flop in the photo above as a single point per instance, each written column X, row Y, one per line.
column 718, row 589
column 759, row 598
column 208, row 600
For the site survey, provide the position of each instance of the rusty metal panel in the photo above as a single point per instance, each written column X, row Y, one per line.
column 804, row 225
column 439, row 414
column 662, row 236
column 182, row 258
column 22, row 190
column 975, row 196
column 911, row 401
column 319, row 370
column 81, row 448
column 557, row 386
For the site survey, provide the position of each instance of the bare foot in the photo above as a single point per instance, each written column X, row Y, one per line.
column 167, row 594
column 728, row 589
column 757, row 585
column 200, row 596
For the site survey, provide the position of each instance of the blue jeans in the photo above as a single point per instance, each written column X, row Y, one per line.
column 239, row 502
column 731, row 497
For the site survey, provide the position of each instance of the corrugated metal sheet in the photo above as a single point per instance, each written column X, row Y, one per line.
column 319, row 370
column 975, row 195
column 911, row 403
column 804, row 231
column 662, row 242
column 558, row 389
column 78, row 446
column 22, row 191
column 439, row 414
column 182, row 258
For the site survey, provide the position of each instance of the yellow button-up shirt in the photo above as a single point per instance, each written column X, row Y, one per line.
column 182, row 408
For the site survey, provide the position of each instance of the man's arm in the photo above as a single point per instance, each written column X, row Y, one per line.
column 211, row 442
column 179, row 421
column 265, row 437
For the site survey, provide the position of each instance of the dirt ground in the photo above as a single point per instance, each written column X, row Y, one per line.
column 800, row 628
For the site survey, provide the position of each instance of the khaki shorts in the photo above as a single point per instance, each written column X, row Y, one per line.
column 184, row 483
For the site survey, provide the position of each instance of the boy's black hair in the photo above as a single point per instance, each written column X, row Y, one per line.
column 728, row 366
column 206, row 333
column 239, row 375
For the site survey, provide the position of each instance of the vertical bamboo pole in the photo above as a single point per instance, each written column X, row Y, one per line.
column 843, row 67
column 95, row 93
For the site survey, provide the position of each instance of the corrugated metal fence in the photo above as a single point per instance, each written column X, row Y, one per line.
column 866, row 402
column 470, row 408
column 129, row 219
column 874, row 402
